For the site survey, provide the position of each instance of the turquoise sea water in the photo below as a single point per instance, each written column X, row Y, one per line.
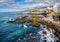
column 11, row 32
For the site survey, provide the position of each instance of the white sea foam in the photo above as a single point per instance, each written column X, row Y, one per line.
column 25, row 26
column 48, row 36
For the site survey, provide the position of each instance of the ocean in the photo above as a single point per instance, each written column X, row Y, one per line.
column 12, row 32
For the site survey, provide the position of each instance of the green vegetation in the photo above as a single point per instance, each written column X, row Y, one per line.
column 57, row 13
column 35, row 19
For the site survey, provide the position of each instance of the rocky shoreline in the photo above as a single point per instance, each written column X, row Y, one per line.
column 49, row 20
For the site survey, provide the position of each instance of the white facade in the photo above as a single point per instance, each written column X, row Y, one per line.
column 56, row 7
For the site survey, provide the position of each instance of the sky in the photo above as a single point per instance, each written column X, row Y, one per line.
column 20, row 5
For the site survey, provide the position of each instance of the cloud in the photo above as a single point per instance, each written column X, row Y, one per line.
column 13, row 4
column 16, row 5
column 2, row 1
column 43, row 1
column 9, row 3
column 40, row 1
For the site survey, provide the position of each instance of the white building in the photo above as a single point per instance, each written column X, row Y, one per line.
column 56, row 7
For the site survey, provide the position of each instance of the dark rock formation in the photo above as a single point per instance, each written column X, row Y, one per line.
column 59, row 16
column 34, row 25
column 52, row 26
